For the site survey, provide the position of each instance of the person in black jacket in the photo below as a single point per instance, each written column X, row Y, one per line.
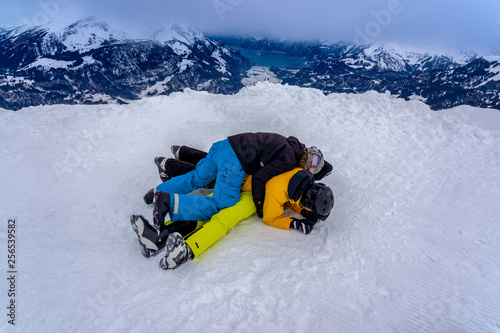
column 262, row 155
column 186, row 158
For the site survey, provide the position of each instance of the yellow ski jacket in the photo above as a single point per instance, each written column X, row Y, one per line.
column 277, row 199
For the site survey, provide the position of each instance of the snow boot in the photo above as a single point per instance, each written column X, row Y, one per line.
column 177, row 252
column 149, row 197
column 161, row 208
column 151, row 240
column 175, row 151
column 160, row 163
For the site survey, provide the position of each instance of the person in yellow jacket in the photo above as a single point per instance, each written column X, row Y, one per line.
column 186, row 240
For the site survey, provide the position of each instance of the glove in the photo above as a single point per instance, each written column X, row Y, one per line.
column 150, row 196
column 306, row 226
column 161, row 208
column 260, row 208
column 309, row 215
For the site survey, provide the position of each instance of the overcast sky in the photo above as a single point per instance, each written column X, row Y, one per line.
column 464, row 24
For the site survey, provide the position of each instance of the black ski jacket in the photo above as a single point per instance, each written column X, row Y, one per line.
column 265, row 155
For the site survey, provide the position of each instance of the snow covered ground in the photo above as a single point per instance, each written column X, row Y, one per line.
column 412, row 245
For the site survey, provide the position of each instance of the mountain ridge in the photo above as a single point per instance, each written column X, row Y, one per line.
column 440, row 80
column 88, row 63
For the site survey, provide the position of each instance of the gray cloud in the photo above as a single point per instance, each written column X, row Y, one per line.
column 465, row 24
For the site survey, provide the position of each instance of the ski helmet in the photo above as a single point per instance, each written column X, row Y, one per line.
column 315, row 159
column 319, row 198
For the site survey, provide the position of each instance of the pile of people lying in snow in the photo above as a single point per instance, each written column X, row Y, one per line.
column 263, row 173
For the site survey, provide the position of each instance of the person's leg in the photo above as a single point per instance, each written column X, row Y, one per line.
column 174, row 168
column 152, row 240
column 229, row 180
column 179, row 249
column 220, row 223
column 226, row 192
column 204, row 172
column 191, row 155
column 191, row 207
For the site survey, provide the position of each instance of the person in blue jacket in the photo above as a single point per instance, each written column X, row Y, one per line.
column 262, row 155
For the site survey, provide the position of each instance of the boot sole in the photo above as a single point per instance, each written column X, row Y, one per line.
column 148, row 248
column 174, row 251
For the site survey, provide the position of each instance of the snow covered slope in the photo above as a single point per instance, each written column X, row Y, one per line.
column 412, row 245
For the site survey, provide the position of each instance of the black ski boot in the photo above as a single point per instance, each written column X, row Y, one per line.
column 161, row 208
column 177, row 252
column 160, row 163
column 175, row 151
column 151, row 240
column 149, row 197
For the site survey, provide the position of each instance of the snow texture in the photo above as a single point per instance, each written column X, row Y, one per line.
column 412, row 245
column 86, row 35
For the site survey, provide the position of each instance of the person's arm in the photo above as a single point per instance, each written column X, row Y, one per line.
column 274, row 209
column 295, row 207
column 276, row 198
column 260, row 179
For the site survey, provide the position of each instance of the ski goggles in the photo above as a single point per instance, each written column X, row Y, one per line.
column 315, row 159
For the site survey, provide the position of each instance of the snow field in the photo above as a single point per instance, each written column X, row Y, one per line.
column 411, row 246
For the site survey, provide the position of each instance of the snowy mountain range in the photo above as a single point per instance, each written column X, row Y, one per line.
column 90, row 63
column 377, row 56
column 440, row 80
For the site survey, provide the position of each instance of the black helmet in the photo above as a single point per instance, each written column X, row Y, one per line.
column 319, row 198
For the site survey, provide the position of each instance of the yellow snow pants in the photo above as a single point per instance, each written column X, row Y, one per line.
column 215, row 228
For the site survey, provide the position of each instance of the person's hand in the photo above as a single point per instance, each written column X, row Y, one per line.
column 259, row 205
column 306, row 226
column 308, row 214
